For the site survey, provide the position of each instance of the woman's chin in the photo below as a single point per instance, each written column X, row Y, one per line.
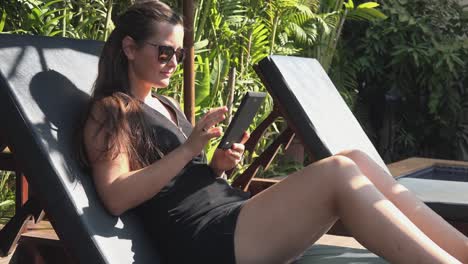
column 162, row 83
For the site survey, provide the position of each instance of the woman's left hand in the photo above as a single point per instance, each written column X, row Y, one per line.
column 226, row 159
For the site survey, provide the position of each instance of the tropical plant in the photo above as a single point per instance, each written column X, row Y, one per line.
column 75, row 19
column 417, row 59
column 7, row 195
column 323, row 32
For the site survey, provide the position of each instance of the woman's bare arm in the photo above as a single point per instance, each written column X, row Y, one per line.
column 120, row 188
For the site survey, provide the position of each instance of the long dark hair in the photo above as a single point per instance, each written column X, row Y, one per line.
column 124, row 126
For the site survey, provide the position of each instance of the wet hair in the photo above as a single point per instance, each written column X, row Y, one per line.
column 123, row 123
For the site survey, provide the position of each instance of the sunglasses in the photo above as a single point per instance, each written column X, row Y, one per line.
column 165, row 53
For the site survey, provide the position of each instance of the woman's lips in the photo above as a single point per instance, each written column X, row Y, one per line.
column 166, row 74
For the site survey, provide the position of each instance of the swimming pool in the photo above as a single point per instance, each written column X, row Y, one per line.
column 443, row 188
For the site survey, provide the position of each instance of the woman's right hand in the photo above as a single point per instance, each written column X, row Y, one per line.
column 205, row 130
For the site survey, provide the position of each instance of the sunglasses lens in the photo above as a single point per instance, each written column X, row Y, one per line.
column 166, row 53
column 180, row 55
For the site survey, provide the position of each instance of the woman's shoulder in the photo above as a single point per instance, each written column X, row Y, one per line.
column 114, row 99
column 113, row 105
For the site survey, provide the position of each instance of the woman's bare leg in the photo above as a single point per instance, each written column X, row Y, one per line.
column 284, row 220
column 434, row 226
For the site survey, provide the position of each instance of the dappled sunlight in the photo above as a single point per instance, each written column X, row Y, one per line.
column 359, row 183
column 398, row 189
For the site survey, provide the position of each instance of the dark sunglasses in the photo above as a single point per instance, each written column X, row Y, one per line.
column 165, row 53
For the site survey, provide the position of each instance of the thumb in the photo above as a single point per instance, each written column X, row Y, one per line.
column 245, row 137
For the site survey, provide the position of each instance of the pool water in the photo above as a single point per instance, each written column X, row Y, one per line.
column 444, row 173
column 442, row 188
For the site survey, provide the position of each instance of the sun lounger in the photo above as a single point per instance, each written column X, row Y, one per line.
column 325, row 254
column 320, row 117
column 44, row 85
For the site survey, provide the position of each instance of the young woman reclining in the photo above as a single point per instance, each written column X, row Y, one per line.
column 146, row 157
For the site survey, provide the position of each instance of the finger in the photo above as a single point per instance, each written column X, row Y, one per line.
column 217, row 130
column 218, row 111
column 245, row 137
column 221, row 109
column 238, row 147
column 208, row 122
column 214, row 132
column 209, row 113
column 235, row 160
column 233, row 155
column 214, row 119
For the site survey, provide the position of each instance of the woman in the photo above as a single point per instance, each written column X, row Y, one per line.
column 145, row 156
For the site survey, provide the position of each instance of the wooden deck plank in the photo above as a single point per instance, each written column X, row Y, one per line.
column 42, row 231
column 340, row 241
column 7, row 259
column 410, row 165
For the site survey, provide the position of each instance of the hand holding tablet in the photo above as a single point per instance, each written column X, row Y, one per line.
column 242, row 119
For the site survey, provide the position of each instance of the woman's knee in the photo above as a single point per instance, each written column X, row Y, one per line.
column 355, row 154
column 365, row 163
column 335, row 168
column 376, row 174
column 340, row 175
column 342, row 163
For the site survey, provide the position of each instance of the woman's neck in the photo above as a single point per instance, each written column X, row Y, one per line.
column 139, row 88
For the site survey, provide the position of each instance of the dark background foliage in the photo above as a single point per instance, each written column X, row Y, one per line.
column 410, row 77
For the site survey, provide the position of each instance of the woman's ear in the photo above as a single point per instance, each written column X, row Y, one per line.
column 128, row 47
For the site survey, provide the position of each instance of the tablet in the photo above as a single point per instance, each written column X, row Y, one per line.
column 242, row 119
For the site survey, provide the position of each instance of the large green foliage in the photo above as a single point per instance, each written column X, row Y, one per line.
column 81, row 19
column 418, row 57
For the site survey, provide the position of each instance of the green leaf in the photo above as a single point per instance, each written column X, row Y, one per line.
column 201, row 44
column 52, row 2
column 54, row 33
column 366, row 14
column 209, row 152
column 203, row 88
column 7, row 203
column 51, row 24
column 51, row 12
column 2, row 20
column 369, row 5
column 349, row 4
column 36, row 15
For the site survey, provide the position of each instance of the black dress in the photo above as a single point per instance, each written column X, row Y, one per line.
column 193, row 218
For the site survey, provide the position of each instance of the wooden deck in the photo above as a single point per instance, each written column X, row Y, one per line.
column 7, row 260
column 410, row 165
column 41, row 234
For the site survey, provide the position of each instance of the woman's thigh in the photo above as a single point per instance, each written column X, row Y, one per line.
column 281, row 222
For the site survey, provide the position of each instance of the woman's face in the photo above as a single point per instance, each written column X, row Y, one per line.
column 144, row 62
